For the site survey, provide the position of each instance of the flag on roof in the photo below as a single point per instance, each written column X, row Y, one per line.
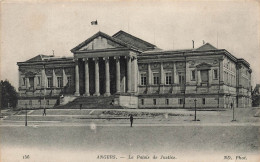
column 94, row 22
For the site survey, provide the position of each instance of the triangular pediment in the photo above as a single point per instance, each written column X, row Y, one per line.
column 36, row 58
column 206, row 47
column 99, row 41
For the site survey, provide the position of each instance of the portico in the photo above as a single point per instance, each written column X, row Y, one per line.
column 111, row 75
column 104, row 66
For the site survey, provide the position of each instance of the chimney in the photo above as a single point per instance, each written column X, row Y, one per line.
column 203, row 42
column 192, row 43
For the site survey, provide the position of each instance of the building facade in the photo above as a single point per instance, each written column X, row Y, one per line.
column 137, row 74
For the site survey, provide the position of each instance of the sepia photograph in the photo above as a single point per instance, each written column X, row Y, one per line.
column 119, row 81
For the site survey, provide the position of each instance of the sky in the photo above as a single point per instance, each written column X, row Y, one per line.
column 30, row 28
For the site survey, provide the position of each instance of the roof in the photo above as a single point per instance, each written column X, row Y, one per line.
column 118, row 41
column 134, row 41
column 42, row 57
column 206, row 47
column 167, row 51
column 39, row 58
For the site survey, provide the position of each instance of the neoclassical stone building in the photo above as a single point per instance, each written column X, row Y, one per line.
column 137, row 74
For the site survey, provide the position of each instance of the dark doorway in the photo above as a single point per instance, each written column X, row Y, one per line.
column 102, row 76
column 91, row 76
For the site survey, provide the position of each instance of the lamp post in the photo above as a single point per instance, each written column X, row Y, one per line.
column 195, row 117
column 25, row 114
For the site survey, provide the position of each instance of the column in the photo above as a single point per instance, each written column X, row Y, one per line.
column 162, row 74
column 134, row 71
column 96, row 77
column 129, row 74
column 149, row 78
column 199, row 78
column 43, row 80
column 117, row 74
column 54, row 83
column 162, row 79
column 76, row 78
column 107, row 93
column 64, row 78
column 175, row 77
column 210, row 76
column 86, row 77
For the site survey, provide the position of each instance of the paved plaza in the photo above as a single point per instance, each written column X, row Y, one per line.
column 87, row 135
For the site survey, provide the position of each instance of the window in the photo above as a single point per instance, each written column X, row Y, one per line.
column 30, row 102
column 48, row 102
column 181, row 78
column 23, row 81
column 167, row 101
column 204, row 74
column 59, row 79
column 49, row 82
column 192, row 74
column 155, row 78
column 215, row 74
column 142, row 101
column 69, row 81
column 38, row 80
column 168, row 78
column 180, row 101
column 154, row 101
column 203, row 101
column 143, row 79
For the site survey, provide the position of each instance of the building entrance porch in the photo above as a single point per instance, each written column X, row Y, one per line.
column 105, row 76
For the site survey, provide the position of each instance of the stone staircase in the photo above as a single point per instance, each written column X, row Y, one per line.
column 90, row 102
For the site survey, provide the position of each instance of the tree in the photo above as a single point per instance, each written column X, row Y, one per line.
column 256, row 96
column 9, row 95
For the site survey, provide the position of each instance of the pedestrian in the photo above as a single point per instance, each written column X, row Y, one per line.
column 231, row 105
column 44, row 112
column 80, row 106
column 131, row 119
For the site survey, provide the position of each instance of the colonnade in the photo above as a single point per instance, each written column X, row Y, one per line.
column 131, row 61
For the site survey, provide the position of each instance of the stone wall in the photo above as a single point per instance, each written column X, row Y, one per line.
column 35, row 103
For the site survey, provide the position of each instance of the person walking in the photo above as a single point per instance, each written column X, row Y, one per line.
column 131, row 119
column 44, row 112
